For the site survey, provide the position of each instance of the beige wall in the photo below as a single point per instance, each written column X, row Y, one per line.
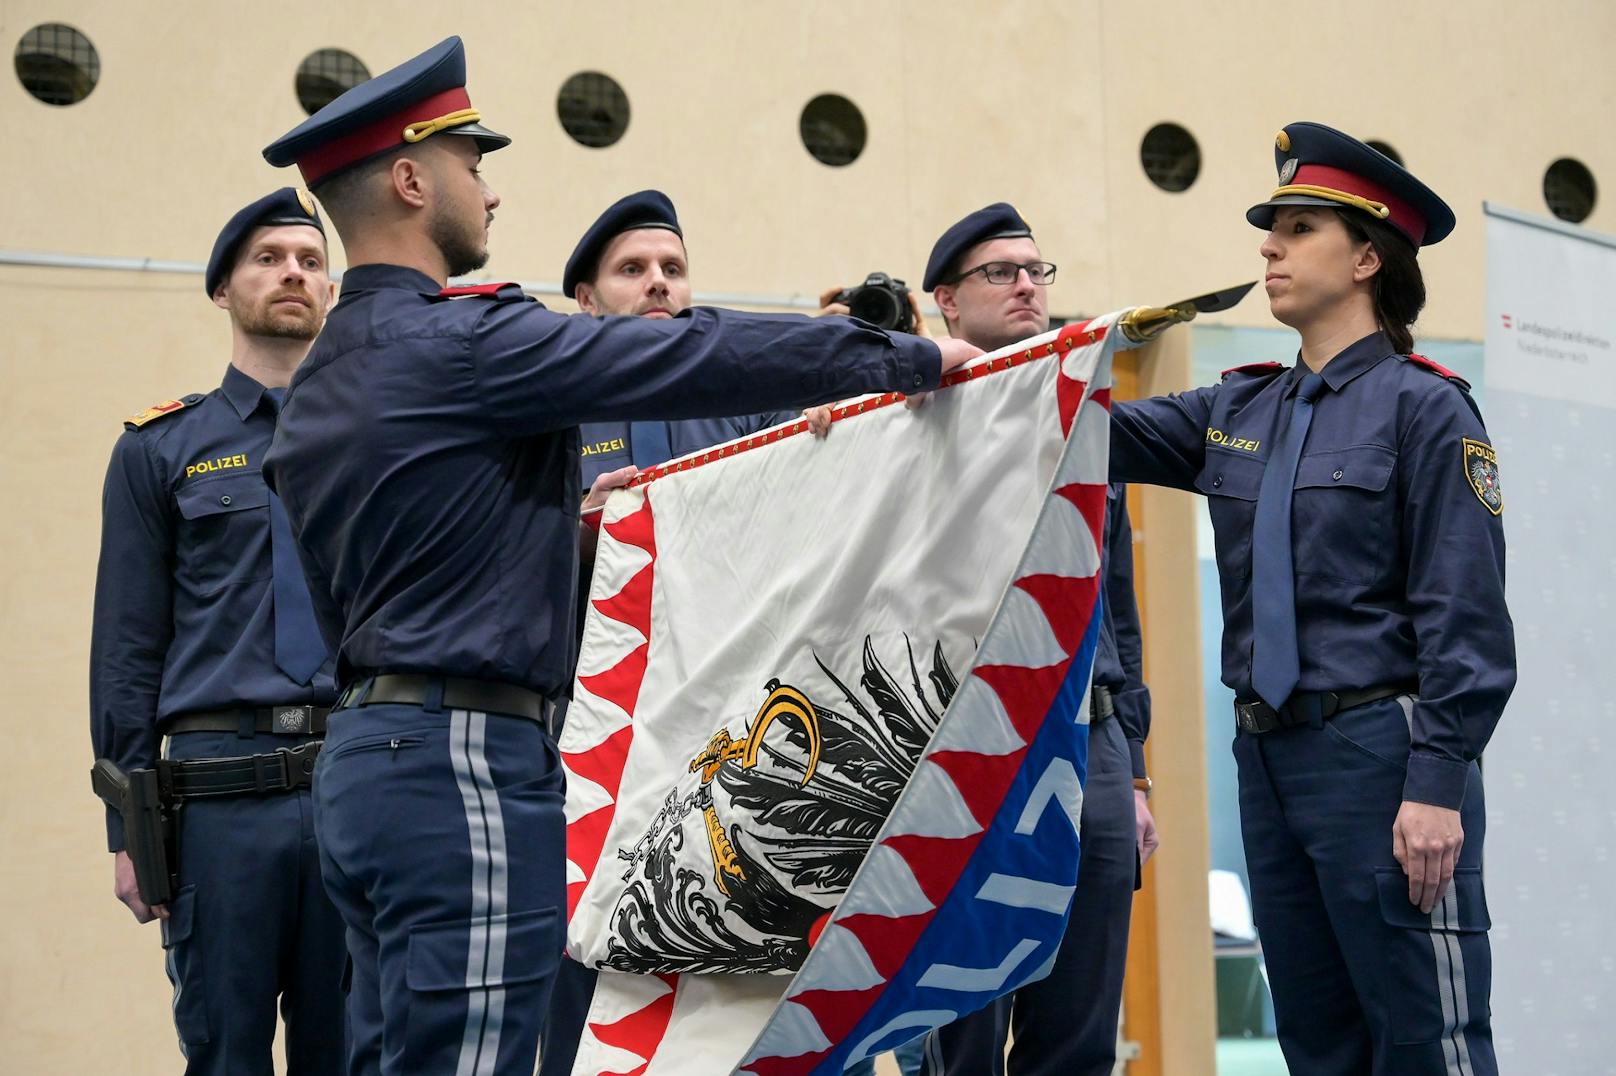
column 1041, row 102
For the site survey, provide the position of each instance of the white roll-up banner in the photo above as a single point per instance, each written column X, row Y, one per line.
column 1551, row 765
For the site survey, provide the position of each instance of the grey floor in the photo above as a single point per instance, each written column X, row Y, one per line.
column 1250, row 1057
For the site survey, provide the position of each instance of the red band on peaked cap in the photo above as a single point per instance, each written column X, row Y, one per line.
column 1403, row 215
column 373, row 138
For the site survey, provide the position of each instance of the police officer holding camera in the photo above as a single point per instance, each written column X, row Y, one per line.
column 204, row 633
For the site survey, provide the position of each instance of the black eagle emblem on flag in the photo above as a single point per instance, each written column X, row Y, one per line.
column 789, row 809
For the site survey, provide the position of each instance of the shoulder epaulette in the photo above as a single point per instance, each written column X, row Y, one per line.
column 157, row 411
column 1438, row 369
column 508, row 291
column 1256, row 369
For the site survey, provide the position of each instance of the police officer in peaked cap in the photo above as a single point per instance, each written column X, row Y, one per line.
column 428, row 459
column 204, row 634
column 1357, row 506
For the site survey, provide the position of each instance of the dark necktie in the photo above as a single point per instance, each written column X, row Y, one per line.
column 1275, row 664
column 299, row 649
column 648, row 444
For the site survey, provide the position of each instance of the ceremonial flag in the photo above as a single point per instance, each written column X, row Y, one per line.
column 826, row 752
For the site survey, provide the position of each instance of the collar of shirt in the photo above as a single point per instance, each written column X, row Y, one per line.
column 380, row 275
column 242, row 391
column 1358, row 358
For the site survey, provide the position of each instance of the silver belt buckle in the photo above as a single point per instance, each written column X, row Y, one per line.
column 291, row 720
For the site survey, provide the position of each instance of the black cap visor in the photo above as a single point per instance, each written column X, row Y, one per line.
column 1262, row 215
column 487, row 141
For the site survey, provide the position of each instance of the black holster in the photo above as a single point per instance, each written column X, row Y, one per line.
column 148, row 827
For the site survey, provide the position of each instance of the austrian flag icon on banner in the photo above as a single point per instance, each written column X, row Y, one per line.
column 826, row 755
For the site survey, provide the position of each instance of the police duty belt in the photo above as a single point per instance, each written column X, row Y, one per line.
column 285, row 770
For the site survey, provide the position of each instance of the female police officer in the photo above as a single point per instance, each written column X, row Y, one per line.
column 1356, row 505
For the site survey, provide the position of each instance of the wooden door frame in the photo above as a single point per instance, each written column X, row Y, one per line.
column 1169, row 1001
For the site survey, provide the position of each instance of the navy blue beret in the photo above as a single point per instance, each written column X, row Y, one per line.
column 997, row 221
column 286, row 206
column 642, row 209
column 1319, row 165
column 418, row 98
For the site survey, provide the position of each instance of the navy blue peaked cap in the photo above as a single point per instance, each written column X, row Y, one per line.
column 642, row 209
column 419, row 98
column 289, row 205
column 997, row 221
column 1319, row 165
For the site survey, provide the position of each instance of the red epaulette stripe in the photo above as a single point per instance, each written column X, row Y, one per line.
column 1253, row 368
column 1077, row 335
column 477, row 289
column 1436, row 368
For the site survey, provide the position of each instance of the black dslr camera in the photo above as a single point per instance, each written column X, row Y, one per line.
column 881, row 300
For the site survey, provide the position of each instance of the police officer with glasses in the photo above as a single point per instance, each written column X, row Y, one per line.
column 990, row 282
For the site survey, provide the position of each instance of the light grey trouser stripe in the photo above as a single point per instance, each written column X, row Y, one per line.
column 498, row 893
column 173, row 968
column 1450, row 983
column 485, row 949
column 1407, row 703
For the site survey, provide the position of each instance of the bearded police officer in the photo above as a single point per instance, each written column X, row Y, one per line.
column 204, row 633
column 428, row 457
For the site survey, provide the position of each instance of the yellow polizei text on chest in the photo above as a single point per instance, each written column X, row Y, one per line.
column 1224, row 440
column 218, row 463
column 616, row 444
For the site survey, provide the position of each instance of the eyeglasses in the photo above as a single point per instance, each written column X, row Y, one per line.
column 1006, row 272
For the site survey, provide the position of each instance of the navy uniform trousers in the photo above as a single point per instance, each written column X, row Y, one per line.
column 442, row 844
column 1363, row 982
column 249, row 924
column 1066, row 1024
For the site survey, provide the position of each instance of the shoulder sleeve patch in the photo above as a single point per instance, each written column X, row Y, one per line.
column 157, row 411
column 1256, row 369
column 1438, row 369
column 1481, row 469
column 505, row 292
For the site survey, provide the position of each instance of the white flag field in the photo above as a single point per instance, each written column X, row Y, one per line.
column 829, row 731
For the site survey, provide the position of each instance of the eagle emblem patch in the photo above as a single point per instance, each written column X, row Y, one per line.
column 1481, row 468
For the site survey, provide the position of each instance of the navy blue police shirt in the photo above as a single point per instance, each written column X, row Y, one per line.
column 1398, row 540
column 608, row 446
column 1119, row 657
column 184, row 609
column 428, row 452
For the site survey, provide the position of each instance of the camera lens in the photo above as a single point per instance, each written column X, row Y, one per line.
column 878, row 306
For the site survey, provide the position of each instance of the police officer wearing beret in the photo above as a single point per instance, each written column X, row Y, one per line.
column 428, row 458
column 990, row 282
column 632, row 262
column 1356, row 504
column 204, row 633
